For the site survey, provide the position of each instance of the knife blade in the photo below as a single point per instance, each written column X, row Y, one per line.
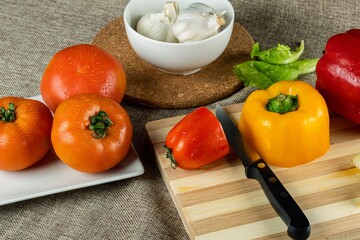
column 280, row 199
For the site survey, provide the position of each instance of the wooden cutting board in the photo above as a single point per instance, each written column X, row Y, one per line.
column 218, row 202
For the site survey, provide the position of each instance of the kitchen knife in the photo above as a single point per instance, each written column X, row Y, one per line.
column 281, row 200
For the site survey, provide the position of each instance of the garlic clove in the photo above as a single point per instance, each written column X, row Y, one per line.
column 197, row 22
column 158, row 26
column 171, row 10
column 221, row 20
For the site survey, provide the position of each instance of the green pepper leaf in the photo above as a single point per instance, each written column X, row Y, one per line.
column 250, row 76
column 304, row 66
column 281, row 54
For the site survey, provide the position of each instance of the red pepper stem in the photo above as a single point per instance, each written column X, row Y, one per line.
column 8, row 115
column 170, row 156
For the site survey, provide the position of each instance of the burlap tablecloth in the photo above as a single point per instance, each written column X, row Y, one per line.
column 141, row 207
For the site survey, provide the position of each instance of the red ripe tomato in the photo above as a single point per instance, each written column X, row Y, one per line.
column 25, row 127
column 82, row 68
column 91, row 133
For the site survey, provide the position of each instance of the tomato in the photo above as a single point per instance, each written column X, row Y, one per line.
column 25, row 127
column 91, row 133
column 82, row 68
column 196, row 140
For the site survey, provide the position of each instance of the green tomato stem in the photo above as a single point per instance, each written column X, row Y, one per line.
column 8, row 115
column 99, row 124
column 282, row 103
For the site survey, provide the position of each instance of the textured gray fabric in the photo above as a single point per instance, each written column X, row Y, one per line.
column 138, row 208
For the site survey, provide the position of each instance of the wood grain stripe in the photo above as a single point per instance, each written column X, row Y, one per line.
column 240, row 213
column 340, row 229
column 259, row 229
column 310, row 187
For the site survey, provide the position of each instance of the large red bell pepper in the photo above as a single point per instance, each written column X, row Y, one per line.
column 338, row 74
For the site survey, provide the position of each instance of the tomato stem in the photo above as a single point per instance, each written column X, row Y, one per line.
column 99, row 124
column 170, row 156
column 8, row 115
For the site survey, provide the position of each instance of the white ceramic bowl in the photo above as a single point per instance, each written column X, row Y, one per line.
column 177, row 58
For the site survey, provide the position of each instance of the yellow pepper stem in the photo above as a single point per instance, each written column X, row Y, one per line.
column 282, row 103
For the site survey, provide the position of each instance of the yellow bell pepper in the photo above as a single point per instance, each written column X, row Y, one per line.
column 287, row 124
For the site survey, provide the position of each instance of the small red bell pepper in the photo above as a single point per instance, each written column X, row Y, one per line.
column 196, row 140
column 338, row 74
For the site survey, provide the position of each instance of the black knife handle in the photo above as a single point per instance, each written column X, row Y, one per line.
column 286, row 207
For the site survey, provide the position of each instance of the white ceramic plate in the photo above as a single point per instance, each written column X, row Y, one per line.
column 50, row 176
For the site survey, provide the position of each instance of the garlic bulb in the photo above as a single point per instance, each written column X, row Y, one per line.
column 197, row 22
column 158, row 26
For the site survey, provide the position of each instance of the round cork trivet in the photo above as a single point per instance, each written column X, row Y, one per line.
column 146, row 85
